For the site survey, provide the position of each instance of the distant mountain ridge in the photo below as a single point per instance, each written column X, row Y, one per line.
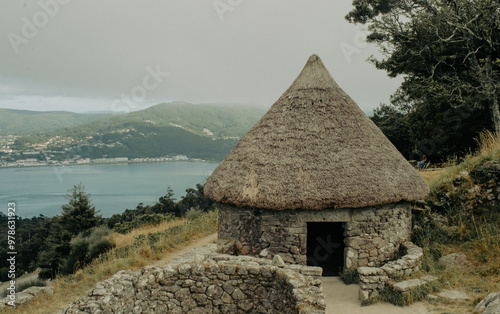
column 202, row 119
column 24, row 122
column 205, row 131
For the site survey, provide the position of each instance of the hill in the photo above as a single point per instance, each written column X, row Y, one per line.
column 222, row 121
column 24, row 122
column 211, row 120
column 198, row 131
column 138, row 140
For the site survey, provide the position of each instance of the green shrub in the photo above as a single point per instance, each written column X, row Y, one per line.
column 85, row 248
column 350, row 277
column 193, row 213
column 101, row 246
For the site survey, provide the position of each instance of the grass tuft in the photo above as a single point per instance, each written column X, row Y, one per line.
column 392, row 296
column 350, row 277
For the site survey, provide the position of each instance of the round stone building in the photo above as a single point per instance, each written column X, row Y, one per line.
column 316, row 182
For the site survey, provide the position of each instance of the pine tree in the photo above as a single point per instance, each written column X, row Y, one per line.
column 79, row 214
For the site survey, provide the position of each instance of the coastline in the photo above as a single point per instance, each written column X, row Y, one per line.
column 106, row 161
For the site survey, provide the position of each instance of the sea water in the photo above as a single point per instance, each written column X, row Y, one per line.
column 113, row 188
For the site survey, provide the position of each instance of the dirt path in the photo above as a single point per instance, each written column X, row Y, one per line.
column 344, row 299
column 188, row 246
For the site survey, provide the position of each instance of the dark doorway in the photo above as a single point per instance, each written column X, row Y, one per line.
column 325, row 246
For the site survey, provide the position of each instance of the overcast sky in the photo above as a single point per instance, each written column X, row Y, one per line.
column 93, row 55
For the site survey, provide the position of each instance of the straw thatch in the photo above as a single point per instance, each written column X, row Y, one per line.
column 314, row 149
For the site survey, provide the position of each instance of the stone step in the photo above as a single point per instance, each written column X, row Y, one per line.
column 406, row 287
column 411, row 284
column 454, row 295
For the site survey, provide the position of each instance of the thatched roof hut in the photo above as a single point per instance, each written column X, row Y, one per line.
column 314, row 149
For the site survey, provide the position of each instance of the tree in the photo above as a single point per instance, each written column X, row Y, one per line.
column 166, row 204
column 394, row 124
column 432, row 128
column 447, row 50
column 79, row 214
column 54, row 250
column 58, row 253
column 195, row 198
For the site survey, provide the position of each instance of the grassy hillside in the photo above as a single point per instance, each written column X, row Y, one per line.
column 23, row 122
column 461, row 215
column 197, row 131
column 223, row 121
column 146, row 140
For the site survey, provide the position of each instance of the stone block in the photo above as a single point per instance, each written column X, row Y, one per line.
column 214, row 292
column 364, row 295
column 454, row 259
column 22, row 297
column 229, row 309
column 188, row 305
column 278, row 261
column 363, row 262
column 34, row 290
column 311, row 271
column 228, row 287
column 226, row 298
column 370, row 271
column 408, row 285
column 356, row 242
column 379, row 242
column 454, row 295
column 490, row 304
column 182, row 294
column 368, row 286
column 238, row 294
column 185, row 269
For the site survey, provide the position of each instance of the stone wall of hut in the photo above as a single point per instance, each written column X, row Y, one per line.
column 203, row 281
column 372, row 234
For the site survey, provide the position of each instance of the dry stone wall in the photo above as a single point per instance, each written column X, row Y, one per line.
column 207, row 282
column 374, row 279
column 372, row 234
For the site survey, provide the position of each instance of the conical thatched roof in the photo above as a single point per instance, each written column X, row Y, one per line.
column 314, row 149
